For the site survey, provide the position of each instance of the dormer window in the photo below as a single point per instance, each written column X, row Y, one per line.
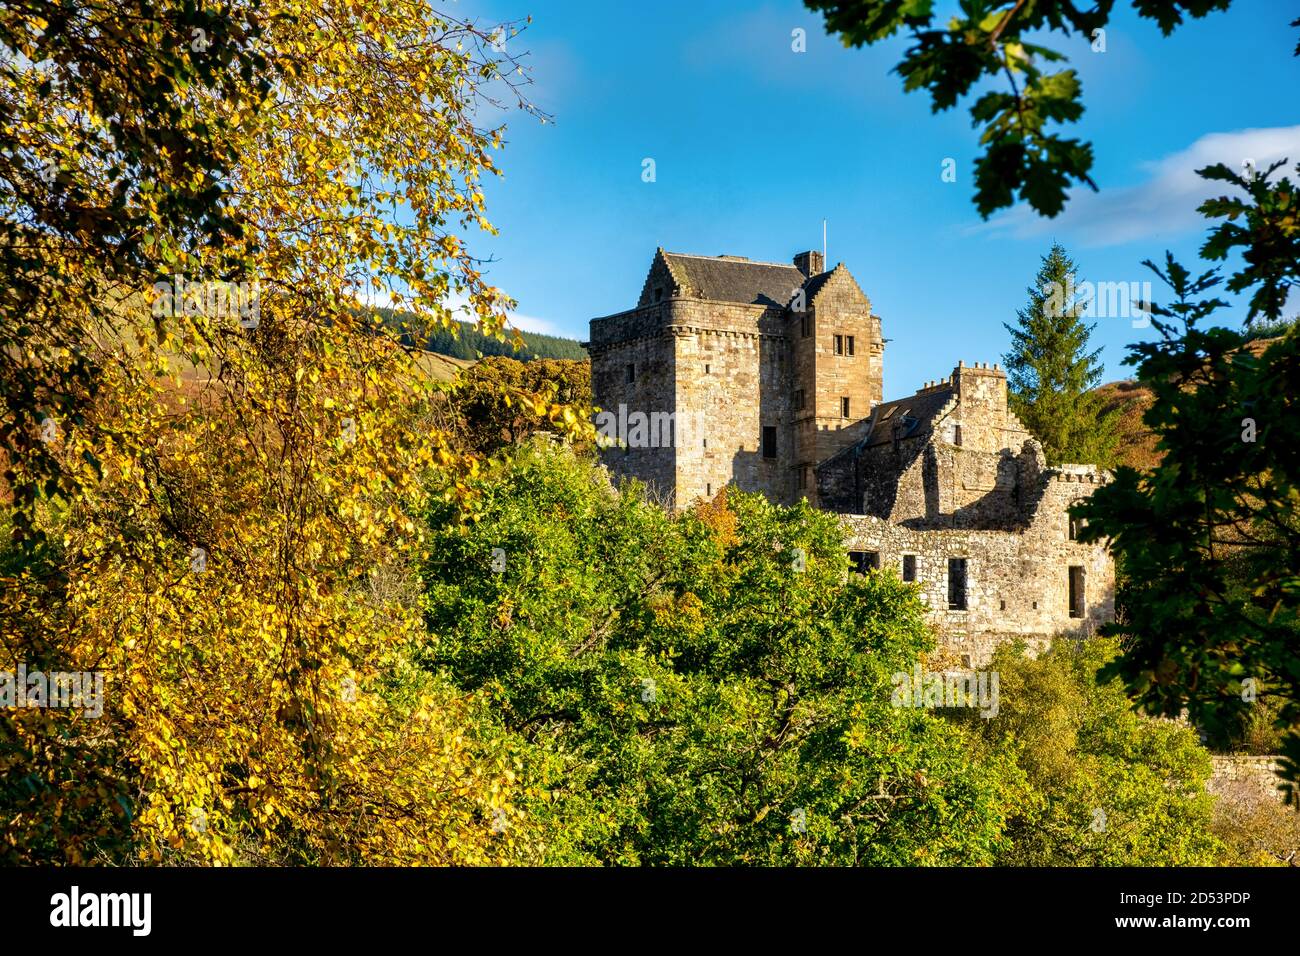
column 659, row 293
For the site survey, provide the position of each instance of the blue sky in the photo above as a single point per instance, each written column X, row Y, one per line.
column 755, row 144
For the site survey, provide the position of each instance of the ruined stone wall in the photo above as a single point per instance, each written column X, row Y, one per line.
column 1017, row 583
column 1249, row 779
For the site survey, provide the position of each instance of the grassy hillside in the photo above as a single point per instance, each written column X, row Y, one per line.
column 1137, row 445
column 443, row 368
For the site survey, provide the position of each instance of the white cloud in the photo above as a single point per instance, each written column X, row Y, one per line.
column 1162, row 206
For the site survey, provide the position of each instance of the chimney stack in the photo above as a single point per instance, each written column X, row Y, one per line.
column 810, row 263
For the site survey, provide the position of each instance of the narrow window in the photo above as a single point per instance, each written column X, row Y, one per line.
column 956, row 584
column 769, row 441
column 706, row 368
column 659, row 293
column 849, row 345
column 839, row 345
column 909, row 567
column 805, row 325
column 1076, row 525
column 844, row 407
column 631, row 374
column 1076, row 591
column 956, row 435
column 706, row 443
column 708, row 490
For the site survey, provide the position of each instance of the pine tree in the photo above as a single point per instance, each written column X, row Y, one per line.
column 1051, row 374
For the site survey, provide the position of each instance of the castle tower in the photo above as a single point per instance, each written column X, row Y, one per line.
column 735, row 372
column 838, row 359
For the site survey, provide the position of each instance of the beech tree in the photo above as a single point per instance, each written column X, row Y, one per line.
column 232, row 555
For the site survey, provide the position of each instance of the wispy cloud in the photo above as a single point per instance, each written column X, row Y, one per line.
column 1161, row 206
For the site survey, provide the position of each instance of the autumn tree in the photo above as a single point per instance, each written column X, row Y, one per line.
column 500, row 401
column 234, row 556
column 112, row 174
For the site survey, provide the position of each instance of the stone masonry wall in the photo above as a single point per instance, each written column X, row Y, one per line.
column 1257, row 778
column 733, row 370
column 839, row 308
column 635, row 339
column 1017, row 583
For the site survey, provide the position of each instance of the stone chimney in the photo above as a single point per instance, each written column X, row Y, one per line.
column 810, row 263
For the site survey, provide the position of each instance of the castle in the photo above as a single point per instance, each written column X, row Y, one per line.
column 769, row 377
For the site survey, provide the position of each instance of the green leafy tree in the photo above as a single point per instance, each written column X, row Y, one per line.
column 1051, row 373
column 1103, row 785
column 984, row 42
column 1210, row 539
column 704, row 688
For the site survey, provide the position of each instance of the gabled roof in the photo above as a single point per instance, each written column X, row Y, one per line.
column 914, row 415
column 815, row 283
column 733, row 279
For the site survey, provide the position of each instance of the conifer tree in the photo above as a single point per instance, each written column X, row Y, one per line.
column 1051, row 373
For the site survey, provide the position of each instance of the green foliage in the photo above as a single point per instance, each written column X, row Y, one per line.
column 687, row 695
column 985, row 40
column 1103, row 786
column 1051, row 374
column 1210, row 540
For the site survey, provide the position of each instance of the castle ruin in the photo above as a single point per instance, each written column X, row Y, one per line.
column 769, row 377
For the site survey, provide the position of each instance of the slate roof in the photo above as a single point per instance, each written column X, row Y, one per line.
column 916, row 412
column 731, row 279
column 814, row 285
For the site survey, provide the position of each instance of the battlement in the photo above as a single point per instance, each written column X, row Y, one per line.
column 1083, row 474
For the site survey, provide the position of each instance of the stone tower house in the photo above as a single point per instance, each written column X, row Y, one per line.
column 761, row 369
column 769, row 377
